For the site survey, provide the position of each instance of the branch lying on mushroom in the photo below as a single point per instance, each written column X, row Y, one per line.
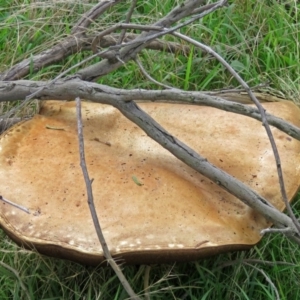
column 152, row 207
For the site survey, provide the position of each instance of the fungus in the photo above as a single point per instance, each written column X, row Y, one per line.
column 152, row 207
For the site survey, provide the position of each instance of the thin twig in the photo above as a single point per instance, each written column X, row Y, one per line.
column 96, row 54
column 14, row 204
column 200, row 164
column 122, row 26
column 75, row 42
column 134, row 47
column 165, row 30
column 148, row 76
column 285, row 230
column 159, row 45
column 70, row 89
column 92, row 15
column 91, row 204
column 65, row 47
column 51, row 83
column 128, row 17
column 263, row 117
column 204, row 8
column 78, row 30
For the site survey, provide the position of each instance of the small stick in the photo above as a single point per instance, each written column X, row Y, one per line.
column 263, row 118
column 91, row 204
column 15, row 205
column 138, row 62
column 128, row 17
column 286, row 230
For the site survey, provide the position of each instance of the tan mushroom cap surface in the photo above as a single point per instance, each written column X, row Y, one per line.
column 151, row 206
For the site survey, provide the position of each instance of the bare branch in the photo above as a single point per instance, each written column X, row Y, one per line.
column 263, row 118
column 79, row 40
column 133, row 48
column 92, row 15
column 121, row 26
column 72, row 45
column 128, row 17
column 57, row 53
column 159, row 45
column 200, row 164
column 104, row 94
column 68, row 89
column 204, row 8
column 138, row 62
column 98, row 229
column 15, row 205
column 66, row 47
column 285, row 230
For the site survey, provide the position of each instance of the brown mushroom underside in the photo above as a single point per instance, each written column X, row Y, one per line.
column 152, row 207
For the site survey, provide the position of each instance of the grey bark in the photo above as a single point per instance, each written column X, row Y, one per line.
column 121, row 99
column 72, row 88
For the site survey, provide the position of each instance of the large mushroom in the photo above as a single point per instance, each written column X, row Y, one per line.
column 152, row 207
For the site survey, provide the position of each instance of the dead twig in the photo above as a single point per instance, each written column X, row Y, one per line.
column 138, row 62
column 286, row 230
column 67, row 89
column 131, row 49
column 66, row 47
column 158, row 45
column 91, row 204
column 14, row 204
column 122, row 26
column 200, row 164
column 128, row 17
column 92, row 15
column 263, row 118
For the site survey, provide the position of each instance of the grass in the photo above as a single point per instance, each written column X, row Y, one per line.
column 260, row 39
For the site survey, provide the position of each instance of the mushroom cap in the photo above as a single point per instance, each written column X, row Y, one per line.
column 151, row 206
